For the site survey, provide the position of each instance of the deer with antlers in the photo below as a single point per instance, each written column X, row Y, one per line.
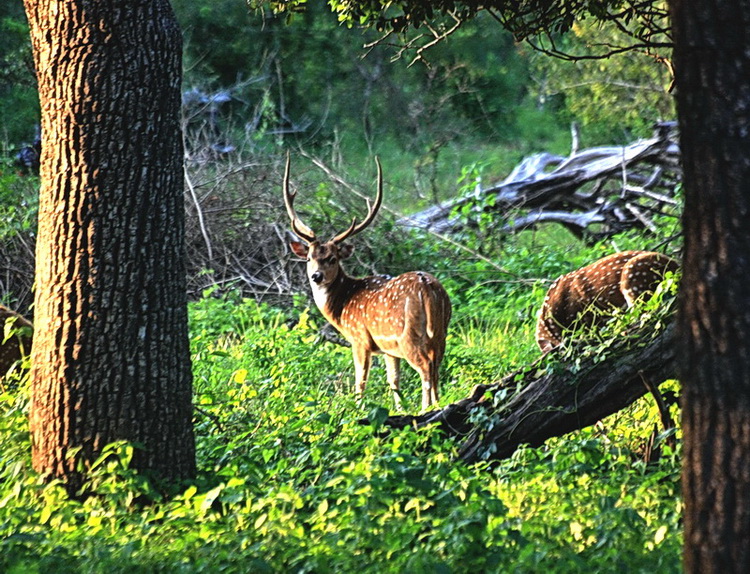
column 588, row 295
column 404, row 317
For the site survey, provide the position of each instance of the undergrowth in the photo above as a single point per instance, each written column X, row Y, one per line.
column 291, row 481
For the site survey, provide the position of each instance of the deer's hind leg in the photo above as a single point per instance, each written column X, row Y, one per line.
column 426, row 366
column 392, row 369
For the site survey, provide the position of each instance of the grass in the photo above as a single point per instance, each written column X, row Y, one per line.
column 290, row 481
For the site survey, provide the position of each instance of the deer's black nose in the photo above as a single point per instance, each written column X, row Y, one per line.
column 317, row 277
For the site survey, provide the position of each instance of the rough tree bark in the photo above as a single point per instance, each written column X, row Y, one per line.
column 110, row 359
column 712, row 61
column 538, row 403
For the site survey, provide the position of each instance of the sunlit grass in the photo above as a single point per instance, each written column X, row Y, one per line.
column 291, row 480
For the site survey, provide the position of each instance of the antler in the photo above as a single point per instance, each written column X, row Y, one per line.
column 372, row 210
column 302, row 230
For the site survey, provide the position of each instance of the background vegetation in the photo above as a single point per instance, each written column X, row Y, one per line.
column 289, row 478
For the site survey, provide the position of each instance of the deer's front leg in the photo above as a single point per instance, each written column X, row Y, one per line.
column 362, row 360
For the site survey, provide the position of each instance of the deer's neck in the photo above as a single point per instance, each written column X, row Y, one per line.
column 332, row 298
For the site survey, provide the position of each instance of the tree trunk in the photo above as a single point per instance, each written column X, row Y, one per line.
column 712, row 60
column 110, row 359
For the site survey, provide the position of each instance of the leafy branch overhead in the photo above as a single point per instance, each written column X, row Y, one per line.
column 646, row 23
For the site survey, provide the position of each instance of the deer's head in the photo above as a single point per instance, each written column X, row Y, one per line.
column 324, row 258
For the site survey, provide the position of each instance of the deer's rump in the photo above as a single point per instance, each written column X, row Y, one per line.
column 418, row 311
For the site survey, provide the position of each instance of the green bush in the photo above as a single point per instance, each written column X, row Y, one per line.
column 291, row 481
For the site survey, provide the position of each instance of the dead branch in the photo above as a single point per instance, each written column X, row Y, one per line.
column 611, row 187
column 551, row 397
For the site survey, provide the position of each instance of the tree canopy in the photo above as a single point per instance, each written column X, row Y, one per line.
column 645, row 23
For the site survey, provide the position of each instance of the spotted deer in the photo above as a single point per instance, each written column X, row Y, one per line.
column 404, row 317
column 587, row 295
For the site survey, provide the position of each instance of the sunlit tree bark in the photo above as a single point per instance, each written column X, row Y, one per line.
column 110, row 359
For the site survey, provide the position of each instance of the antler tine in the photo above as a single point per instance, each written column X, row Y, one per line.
column 302, row 230
column 372, row 210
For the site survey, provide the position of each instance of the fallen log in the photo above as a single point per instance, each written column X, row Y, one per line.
column 613, row 187
column 553, row 396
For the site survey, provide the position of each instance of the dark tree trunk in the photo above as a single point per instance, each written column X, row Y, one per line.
column 712, row 59
column 110, row 359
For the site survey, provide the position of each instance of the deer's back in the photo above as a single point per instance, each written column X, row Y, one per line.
column 597, row 284
column 586, row 296
column 384, row 310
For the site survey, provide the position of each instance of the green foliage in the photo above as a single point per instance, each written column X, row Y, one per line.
column 18, row 204
column 305, row 80
column 289, row 478
column 291, row 481
column 546, row 19
column 619, row 97
column 301, row 78
column 18, row 215
column 19, row 111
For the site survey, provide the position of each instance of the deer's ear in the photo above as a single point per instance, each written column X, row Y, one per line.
column 299, row 249
column 345, row 250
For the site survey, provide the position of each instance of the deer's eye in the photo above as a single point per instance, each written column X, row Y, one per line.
column 330, row 260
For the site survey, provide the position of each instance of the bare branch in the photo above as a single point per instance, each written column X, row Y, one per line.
column 613, row 187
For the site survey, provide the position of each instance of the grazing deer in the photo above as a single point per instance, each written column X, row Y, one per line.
column 404, row 317
column 587, row 295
